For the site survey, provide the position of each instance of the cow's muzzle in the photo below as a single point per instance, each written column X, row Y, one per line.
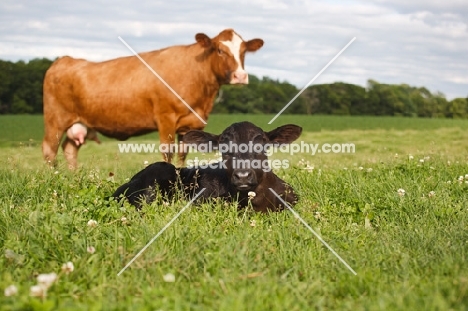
column 244, row 180
column 239, row 77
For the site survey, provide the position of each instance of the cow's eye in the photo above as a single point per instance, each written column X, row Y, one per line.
column 220, row 52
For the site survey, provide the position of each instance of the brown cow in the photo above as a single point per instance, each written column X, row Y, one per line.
column 121, row 98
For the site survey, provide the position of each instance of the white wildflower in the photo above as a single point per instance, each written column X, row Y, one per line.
column 9, row 254
column 253, row 223
column 421, row 160
column 145, row 163
column 37, row 291
column 251, row 195
column 46, row 280
column 410, row 157
column 361, row 168
column 11, row 290
column 124, row 220
column 369, row 169
column 90, row 249
column 68, row 267
column 169, row 278
column 431, row 194
column 401, row 192
column 92, row 223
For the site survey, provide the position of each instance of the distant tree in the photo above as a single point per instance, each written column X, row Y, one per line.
column 457, row 108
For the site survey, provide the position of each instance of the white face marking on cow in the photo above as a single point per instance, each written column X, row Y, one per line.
column 234, row 47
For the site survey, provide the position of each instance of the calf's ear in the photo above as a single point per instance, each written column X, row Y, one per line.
column 285, row 134
column 200, row 138
column 203, row 40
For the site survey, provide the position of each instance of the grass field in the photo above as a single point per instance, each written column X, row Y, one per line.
column 409, row 249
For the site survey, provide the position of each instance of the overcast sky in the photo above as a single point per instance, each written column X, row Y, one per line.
column 419, row 42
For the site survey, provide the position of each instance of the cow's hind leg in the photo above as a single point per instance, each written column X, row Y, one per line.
column 70, row 149
column 50, row 145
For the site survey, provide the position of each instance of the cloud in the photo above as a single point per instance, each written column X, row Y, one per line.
column 422, row 43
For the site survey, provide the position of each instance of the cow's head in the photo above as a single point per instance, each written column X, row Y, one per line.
column 227, row 52
column 246, row 168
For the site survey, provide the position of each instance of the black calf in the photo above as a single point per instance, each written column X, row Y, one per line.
column 238, row 174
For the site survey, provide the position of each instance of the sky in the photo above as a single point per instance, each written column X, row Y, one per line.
column 419, row 42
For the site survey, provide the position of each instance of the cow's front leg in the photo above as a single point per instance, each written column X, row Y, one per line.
column 182, row 153
column 70, row 150
column 167, row 140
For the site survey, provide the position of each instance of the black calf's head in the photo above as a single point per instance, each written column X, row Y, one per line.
column 243, row 147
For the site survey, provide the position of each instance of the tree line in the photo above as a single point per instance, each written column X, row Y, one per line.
column 21, row 93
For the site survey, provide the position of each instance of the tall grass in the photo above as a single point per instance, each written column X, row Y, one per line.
column 409, row 251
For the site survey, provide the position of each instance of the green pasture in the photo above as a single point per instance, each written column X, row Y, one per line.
column 409, row 248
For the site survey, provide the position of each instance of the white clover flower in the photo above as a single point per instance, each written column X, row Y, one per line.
column 410, row 157
column 396, row 155
column 92, row 223
column 68, row 267
column 124, row 220
column 253, row 223
column 369, row 169
column 466, row 176
column 46, row 280
column 361, row 168
column 317, row 215
column 169, row 278
column 145, row 163
column 90, row 249
column 401, row 192
column 10, row 254
column 11, row 290
column 431, row 194
column 421, row 160
column 251, row 195
column 427, row 158
column 37, row 291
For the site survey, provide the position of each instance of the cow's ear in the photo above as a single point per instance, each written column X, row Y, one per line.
column 200, row 138
column 285, row 134
column 203, row 40
column 253, row 45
